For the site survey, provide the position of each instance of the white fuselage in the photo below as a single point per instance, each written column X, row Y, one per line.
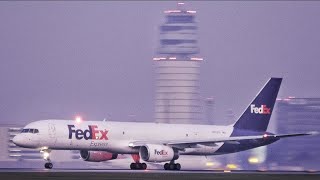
column 116, row 137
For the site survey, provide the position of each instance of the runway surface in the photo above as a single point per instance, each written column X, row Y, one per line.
column 27, row 174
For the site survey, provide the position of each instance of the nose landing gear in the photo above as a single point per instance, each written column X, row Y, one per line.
column 46, row 157
column 48, row 165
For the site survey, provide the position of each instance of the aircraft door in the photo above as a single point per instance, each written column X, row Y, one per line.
column 52, row 134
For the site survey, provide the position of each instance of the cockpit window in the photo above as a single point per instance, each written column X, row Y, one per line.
column 24, row 130
column 33, row 131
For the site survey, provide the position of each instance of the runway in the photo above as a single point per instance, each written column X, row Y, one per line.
column 27, row 174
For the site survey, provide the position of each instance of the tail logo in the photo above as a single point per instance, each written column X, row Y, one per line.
column 259, row 110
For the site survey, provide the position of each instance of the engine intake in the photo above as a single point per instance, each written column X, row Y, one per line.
column 97, row 156
column 157, row 153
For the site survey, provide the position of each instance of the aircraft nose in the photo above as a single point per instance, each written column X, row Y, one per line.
column 18, row 140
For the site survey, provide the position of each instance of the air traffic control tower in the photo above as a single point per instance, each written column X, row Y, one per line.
column 177, row 98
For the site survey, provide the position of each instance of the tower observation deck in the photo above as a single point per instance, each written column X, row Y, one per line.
column 177, row 98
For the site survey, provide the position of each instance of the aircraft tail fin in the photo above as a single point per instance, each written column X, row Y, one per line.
column 257, row 115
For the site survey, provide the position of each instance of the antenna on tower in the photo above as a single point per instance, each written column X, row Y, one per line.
column 180, row 6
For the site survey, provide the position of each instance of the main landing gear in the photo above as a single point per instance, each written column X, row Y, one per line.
column 172, row 166
column 137, row 165
column 46, row 157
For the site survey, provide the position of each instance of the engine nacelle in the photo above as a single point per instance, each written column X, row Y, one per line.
column 97, row 156
column 157, row 153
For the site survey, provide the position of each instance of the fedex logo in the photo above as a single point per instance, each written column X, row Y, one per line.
column 260, row 110
column 162, row 152
column 92, row 133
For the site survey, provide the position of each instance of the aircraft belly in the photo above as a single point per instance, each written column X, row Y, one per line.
column 121, row 147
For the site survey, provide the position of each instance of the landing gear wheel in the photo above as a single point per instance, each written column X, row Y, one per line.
column 166, row 166
column 144, row 166
column 172, row 166
column 138, row 166
column 48, row 165
column 132, row 165
column 177, row 166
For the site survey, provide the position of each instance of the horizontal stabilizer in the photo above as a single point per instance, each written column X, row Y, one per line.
column 298, row 134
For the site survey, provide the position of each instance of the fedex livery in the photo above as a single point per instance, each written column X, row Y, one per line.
column 154, row 142
column 90, row 133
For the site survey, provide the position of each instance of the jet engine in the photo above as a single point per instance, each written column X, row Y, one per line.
column 157, row 153
column 97, row 156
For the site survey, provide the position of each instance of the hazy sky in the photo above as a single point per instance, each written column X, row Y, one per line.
column 59, row 59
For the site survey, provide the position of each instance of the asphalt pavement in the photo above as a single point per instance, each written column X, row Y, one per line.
column 76, row 174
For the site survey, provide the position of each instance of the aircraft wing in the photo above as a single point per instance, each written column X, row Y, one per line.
column 181, row 144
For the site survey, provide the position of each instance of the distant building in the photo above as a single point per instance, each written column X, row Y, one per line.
column 210, row 103
column 177, row 98
column 296, row 115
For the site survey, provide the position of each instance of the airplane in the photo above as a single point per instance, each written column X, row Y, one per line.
column 156, row 142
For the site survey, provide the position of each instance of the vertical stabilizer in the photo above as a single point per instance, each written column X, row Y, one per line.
column 257, row 115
